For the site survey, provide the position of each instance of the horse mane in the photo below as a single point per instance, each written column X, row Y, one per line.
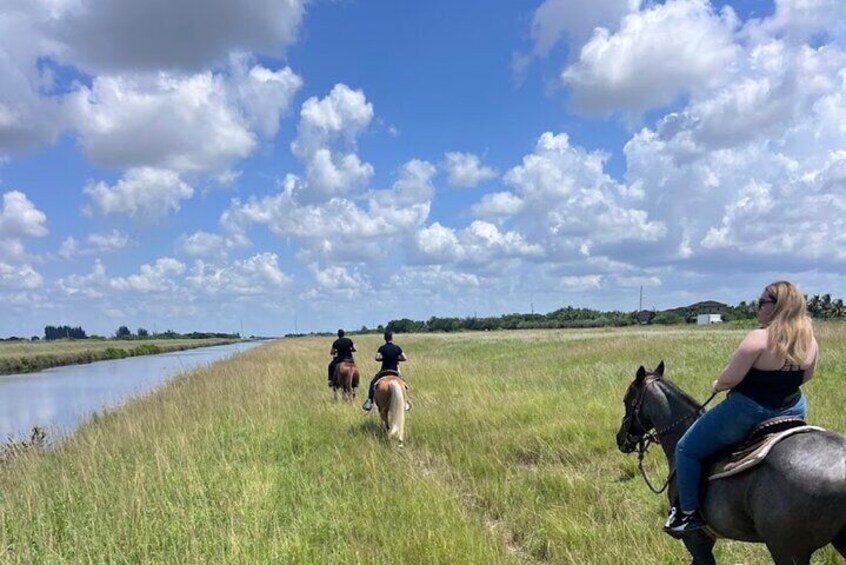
column 678, row 393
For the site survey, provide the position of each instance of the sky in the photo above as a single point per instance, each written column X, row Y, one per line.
column 274, row 166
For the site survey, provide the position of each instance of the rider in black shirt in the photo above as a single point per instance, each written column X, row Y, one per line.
column 390, row 355
column 342, row 350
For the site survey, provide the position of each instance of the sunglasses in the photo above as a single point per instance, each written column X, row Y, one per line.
column 763, row 301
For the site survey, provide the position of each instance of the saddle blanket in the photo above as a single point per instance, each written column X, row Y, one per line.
column 750, row 456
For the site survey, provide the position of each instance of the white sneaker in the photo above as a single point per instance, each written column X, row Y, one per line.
column 368, row 404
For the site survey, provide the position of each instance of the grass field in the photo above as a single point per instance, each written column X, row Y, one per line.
column 27, row 356
column 509, row 458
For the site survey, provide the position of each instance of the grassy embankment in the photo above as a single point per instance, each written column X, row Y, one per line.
column 510, row 458
column 26, row 357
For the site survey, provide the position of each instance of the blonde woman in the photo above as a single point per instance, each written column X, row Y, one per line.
column 763, row 379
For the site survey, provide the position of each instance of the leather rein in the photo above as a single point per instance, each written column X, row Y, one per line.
column 654, row 436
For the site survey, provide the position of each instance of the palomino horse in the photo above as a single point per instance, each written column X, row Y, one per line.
column 794, row 501
column 345, row 378
column 390, row 399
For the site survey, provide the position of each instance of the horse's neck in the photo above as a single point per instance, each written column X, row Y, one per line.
column 667, row 409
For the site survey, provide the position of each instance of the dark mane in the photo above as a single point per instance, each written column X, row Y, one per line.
column 678, row 393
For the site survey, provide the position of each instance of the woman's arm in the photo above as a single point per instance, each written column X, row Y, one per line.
column 747, row 353
column 809, row 370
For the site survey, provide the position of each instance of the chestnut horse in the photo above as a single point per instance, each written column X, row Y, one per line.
column 346, row 379
column 390, row 399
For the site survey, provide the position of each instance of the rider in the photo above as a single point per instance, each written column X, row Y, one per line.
column 390, row 355
column 763, row 379
column 342, row 350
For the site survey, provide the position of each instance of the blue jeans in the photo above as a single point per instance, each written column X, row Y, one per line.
column 372, row 390
column 727, row 424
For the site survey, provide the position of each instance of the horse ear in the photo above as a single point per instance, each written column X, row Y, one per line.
column 641, row 374
column 660, row 369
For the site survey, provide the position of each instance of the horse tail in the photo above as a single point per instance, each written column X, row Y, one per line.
column 396, row 411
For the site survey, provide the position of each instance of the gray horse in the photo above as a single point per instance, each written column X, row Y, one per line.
column 794, row 501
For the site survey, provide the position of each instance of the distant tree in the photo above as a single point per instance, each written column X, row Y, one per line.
column 142, row 332
column 123, row 333
column 35, row 338
column 668, row 318
column 63, row 332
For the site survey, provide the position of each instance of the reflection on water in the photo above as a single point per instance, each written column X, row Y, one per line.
column 61, row 398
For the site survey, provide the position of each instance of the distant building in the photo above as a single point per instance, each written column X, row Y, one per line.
column 707, row 307
column 706, row 319
column 645, row 316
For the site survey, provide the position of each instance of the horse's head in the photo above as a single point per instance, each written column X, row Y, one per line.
column 635, row 422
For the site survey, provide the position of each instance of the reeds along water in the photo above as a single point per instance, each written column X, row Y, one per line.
column 509, row 458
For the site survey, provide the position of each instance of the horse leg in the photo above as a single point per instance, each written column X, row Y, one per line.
column 839, row 542
column 701, row 547
column 783, row 554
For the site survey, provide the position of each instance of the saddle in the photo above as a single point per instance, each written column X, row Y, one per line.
column 388, row 373
column 755, row 447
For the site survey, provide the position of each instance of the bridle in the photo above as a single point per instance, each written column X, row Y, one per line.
column 645, row 440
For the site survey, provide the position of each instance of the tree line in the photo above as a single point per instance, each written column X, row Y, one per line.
column 819, row 307
column 52, row 333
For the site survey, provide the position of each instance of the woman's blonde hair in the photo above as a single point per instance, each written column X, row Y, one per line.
column 790, row 331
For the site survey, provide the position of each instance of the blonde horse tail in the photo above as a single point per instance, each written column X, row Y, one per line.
column 396, row 412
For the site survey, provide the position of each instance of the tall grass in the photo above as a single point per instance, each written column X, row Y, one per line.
column 509, row 458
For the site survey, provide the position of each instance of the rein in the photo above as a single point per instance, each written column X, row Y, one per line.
column 654, row 436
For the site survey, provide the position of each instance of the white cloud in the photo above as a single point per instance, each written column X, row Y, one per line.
column 29, row 115
column 481, row 243
column 97, row 243
column 339, row 279
column 565, row 202
column 141, row 192
column 20, row 218
column 156, row 34
column 151, row 95
column 22, row 277
column 93, row 285
column 803, row 21
column 584, row 282
column 108, row 242
column 557, row 19
column 465, row 170
column 671, row 48
column 340, row 229
column 256, row 275
column 497, row 204
column 338, row 118
column 158, row 277
column 432, row 279
column 753, row 167
column 203, row 244
column 199, row 123
column 263, row 95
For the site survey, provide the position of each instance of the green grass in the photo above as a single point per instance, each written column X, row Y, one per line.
column 26, row 357
column 509, row 458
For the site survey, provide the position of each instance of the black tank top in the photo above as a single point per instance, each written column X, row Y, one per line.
column 777, row 389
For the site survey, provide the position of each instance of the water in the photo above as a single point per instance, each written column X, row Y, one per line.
column 62, row 398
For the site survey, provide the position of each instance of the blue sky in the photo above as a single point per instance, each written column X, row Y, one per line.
column 313, row 165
